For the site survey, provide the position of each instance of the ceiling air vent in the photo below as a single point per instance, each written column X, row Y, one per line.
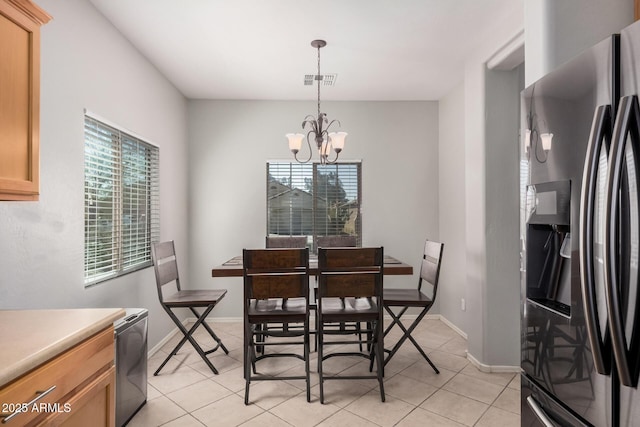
column 327, row 79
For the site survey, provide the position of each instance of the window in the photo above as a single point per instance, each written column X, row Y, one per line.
column 314, row 200
column 121, row 202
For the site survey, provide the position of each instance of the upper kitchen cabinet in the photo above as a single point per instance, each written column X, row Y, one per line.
column 20, row 22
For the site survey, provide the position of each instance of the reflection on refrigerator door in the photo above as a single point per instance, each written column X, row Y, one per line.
column 561, row 386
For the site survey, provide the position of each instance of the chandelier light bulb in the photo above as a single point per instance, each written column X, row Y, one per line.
column 295, row 141
column 337, row 140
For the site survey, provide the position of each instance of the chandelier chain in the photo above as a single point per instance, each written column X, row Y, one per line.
column 318, row 79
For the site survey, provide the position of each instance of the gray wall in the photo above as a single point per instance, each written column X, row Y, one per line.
column 502, row 293
column 86, row 63
column 481, row 342
column 556, row 31
column 451, row 207
column 231, row 141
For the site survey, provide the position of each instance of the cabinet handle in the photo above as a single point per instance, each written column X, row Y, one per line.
column 40, row 395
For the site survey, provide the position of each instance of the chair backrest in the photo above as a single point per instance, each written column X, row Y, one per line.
column 165, row 265
column 336, row 242
column 275, row 273
column 350, row 272
column 286, row 242
column 430, row 266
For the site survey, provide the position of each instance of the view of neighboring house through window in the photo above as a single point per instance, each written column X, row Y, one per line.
column 121, row 201
column 312, row 200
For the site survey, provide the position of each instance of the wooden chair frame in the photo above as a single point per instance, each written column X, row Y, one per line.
column 351, row 277
column 285, row 242
column 337, row 241
column 276, row 290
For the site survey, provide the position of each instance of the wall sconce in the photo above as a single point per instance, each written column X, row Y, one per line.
column 532, row 136
column 533, row 139
column 546, row 141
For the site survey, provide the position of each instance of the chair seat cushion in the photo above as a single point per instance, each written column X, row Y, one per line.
column 290, row 309
column 406, row 297
column 344, row 309
column 195, row 298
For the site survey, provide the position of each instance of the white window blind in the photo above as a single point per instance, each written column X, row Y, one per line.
column 314, row 200
column 121, row 204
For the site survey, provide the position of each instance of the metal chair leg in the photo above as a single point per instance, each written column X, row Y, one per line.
column 407, row 335
column 188, row 337
column 306, row 358
column 379, row 344
column 247, row 374
column 320, row 339
column 208, row 328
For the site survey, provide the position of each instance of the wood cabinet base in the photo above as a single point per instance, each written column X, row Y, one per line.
column 79, row 384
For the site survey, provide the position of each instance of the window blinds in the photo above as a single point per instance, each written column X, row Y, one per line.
column 314, row 200
column 121, row 205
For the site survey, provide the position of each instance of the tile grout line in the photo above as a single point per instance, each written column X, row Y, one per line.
column 186, row 362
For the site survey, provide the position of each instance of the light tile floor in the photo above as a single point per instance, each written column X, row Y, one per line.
column 187, row 393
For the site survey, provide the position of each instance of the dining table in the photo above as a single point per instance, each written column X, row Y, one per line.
column 233, row 267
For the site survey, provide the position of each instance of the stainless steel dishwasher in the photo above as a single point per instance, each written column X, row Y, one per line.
column 131, row 364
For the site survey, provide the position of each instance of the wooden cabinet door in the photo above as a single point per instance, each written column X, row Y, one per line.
column 93, row 406
column 20, row 22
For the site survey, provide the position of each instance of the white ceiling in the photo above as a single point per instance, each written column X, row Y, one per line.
column 260, row 49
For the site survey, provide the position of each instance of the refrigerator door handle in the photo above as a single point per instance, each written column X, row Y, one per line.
column 628, row 115
column 600, row 129
column 539, row 412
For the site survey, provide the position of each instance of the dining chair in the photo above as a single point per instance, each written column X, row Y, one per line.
column 336, row 241
column 350, row 290
column 276, row 290
column 286, row 242
column 165, row 266
column 290, row 242
column 404, row 299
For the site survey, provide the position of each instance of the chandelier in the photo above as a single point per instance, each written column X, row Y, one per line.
column 325, row 141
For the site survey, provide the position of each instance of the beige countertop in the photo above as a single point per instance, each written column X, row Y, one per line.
column 31, row 337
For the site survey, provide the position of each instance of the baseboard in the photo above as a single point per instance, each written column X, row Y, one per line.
column 475, row 362
column 167, row 338
column 491, row 368
column 452, row 326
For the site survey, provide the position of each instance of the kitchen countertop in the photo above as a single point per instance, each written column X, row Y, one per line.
column 30, row 338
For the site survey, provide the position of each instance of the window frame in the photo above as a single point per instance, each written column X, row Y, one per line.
column 315, row 210
column 113, row 158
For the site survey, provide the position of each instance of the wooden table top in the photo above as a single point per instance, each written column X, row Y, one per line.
column 233, row 267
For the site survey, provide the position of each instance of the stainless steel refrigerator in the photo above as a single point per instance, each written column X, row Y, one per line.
column 581, row 232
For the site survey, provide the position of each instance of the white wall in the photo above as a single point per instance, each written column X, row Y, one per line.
column 86, row 63
column 231, row 141
column 451, row 207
